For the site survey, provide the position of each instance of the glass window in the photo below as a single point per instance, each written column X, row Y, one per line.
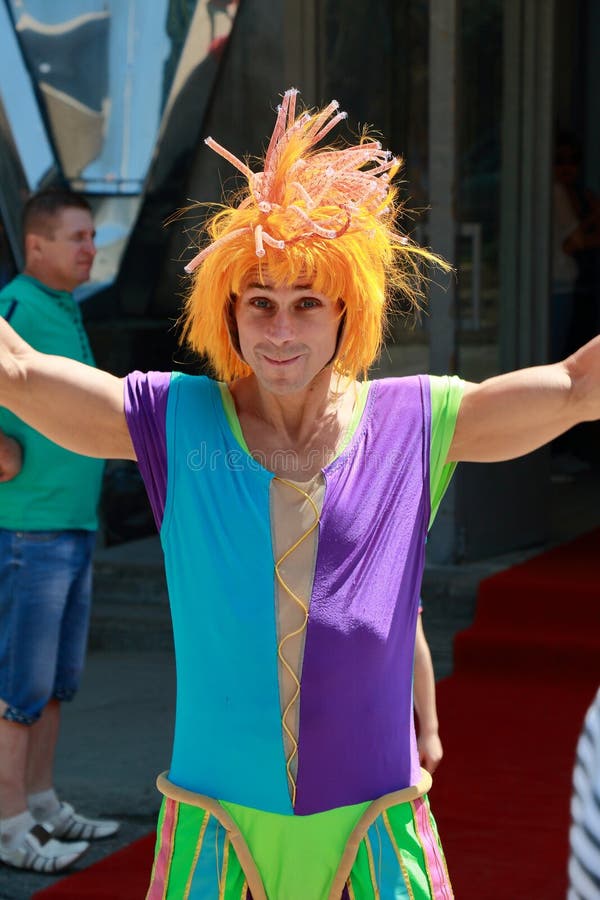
column 98, row 70
column 480, row 112
column 98, row 81
column 7, row 263
column 375, row 64
column 20, row 109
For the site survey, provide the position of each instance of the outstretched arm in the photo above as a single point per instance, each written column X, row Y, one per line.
column 76, row 406
column 428, row 739
column 513, row 414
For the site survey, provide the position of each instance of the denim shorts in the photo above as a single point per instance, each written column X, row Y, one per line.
column 45, row 597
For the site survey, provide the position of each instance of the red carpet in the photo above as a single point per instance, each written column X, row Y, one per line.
column 124, row 875
column 525, row 673
column 510, row 716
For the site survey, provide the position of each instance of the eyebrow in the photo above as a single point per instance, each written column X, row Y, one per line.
column 82, row 232
column 266, row 287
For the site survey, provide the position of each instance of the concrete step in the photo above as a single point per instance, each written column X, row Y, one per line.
column 130, row 609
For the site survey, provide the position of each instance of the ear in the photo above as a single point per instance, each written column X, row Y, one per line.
column 32, row 245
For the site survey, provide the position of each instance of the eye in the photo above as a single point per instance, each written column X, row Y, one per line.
column 260, row 302
column 309, row 303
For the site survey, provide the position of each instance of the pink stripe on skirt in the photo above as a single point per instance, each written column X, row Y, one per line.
column 440, row 886
column 160, row 879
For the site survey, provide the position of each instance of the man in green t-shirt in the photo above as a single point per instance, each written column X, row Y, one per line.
column 48, row 519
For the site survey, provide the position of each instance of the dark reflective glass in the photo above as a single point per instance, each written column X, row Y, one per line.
column 97, row 69
column 481, row 81
column 8, row 269
column 23, row 131
column 375, row 63
column 110, row 78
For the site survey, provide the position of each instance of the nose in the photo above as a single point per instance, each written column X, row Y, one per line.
column 87, row 245
column 281, row 327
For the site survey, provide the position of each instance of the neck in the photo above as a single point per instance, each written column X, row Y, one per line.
column 43, row 279
column 291, row 415
column 296, row 434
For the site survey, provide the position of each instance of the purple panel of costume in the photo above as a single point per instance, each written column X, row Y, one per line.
column 356, row 705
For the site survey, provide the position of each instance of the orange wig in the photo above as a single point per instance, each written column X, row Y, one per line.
column 326, row 215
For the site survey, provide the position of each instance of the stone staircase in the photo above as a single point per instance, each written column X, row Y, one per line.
column 130, row 609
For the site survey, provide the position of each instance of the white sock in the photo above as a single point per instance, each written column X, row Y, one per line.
column 44, row 804
column 12, row 830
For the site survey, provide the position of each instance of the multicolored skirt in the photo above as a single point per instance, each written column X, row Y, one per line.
column 387, row 849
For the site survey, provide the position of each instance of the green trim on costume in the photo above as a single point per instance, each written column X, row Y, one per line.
column 295, row 857
column 234, row 423
column 410, row 849
column 399, row 853
column 204, row 864
column 360, row 876
column 185, row 839
column 359, row 408
column 282, row 846
column 388, row 864
column 235, row 880
column 232, row 416
column 446, row 395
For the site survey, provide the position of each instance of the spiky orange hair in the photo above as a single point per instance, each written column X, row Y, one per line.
column 323, row 214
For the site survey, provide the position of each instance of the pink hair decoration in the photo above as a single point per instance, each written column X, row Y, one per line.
column 332, row 183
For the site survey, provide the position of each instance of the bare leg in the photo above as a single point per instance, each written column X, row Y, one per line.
column 67, row 824
column 14, row 744
column 39, row 773
column 21, row 845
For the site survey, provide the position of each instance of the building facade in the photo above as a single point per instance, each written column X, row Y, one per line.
column 114, row 97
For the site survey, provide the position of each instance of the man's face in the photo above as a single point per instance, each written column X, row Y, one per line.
column 62, row 258
column 287, row 334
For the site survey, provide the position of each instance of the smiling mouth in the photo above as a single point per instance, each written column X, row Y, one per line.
column 280, row 362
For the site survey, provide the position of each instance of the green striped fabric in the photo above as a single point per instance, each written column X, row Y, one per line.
column 399, row 858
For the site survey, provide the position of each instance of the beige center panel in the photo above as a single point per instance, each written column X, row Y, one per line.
column 292, row 516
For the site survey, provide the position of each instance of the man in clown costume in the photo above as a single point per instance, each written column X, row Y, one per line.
column 294, row 498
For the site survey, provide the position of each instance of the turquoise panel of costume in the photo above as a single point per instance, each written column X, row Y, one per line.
column 228, row 737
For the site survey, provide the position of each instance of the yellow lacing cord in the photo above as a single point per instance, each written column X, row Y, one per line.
column 287, row 637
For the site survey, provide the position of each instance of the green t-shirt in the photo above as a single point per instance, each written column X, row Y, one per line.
column 56, row 489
